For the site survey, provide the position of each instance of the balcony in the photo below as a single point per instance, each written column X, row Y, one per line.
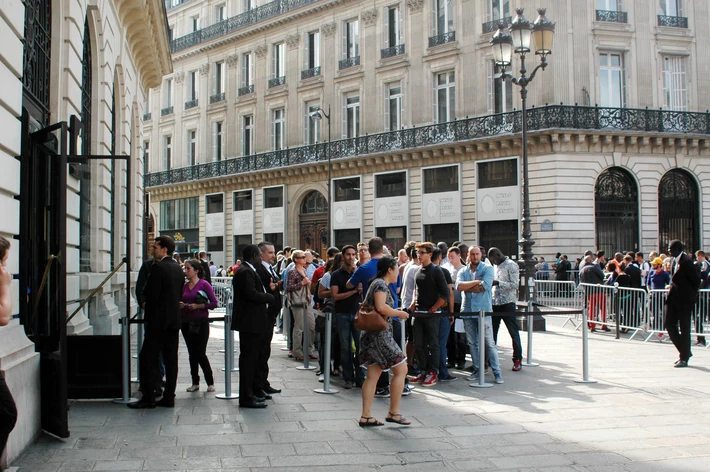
column 492, row 26
column 147, row 116
column 245, row 90
column 235, row 23
column 673, row 21
column 549, row 117
column 442, row 39
column 190, row 104
column 217, row 97
column 276, row 81
column 166, row 111
column 612, row 16
column 310, row 73
column 349, row 62
column 394, row 51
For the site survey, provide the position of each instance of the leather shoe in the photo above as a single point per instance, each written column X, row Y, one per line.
column 252, row 404
column 261, row 396
column 142, row 404
column 271, row 390
column 681, row 363
column 166, row 403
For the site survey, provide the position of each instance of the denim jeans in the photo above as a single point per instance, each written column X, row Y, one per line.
column 512, row 325
column 444, row 328
column 345, row 324
column 471, row 325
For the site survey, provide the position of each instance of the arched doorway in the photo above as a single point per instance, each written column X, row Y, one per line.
column 616, row 211
column 313, row 222
column 678, row 210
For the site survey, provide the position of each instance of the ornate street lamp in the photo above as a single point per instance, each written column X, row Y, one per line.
column 519, row 41
column 318, row 115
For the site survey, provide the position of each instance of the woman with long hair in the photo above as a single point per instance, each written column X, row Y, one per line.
column 197, row 299
column 299, row 297
column 379, row 352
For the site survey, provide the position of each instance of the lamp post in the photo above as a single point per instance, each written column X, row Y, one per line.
column 318, row 115
column 504, row 44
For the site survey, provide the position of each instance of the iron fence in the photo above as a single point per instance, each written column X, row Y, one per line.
column 309, row 73
column 394, row 51
column 190, row 104
column 349, row 62
column 673, row 21
column 442, row 39
column 612, row 16
column 492, row 26
column 245, row 90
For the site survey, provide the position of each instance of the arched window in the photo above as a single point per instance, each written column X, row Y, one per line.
column 616, row 211
column 678, row 210
column 36, row 73
column 84, row 170
column 314, row 202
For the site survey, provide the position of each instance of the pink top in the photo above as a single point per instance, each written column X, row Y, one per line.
column 190, row 296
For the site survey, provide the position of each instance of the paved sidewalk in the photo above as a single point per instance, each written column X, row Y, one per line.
column 643, row 415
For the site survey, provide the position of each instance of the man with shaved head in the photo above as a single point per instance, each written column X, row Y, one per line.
column 505, row 294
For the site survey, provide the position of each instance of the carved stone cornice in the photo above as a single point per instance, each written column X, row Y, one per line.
column 260, row 51
column 179, row 77
column 292, row 40
column 369, row 17
column 328, row 29
column 232, row 60
column 415, row 6
column 204, row 69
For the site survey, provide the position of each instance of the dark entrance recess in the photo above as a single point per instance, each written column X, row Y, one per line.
column 678, row 211
column 500, row 234
column 314, row 223
column 616, row 211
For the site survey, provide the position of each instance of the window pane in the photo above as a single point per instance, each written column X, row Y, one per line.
column 441, row 179
column 273, row 197
column 214, row 203
column 346, row 189
column 390, row 185
column 243, row 200
column 502, row 173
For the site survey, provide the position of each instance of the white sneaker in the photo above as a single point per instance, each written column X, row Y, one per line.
column 321, row 377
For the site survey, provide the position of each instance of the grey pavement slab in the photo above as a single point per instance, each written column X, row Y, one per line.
column 642, row 415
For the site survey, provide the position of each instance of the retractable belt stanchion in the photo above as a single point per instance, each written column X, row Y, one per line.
column 326, row 362
column 585, row 357
column 228, row 359
column 126, row 364
column 481, row 352
column 286, row 324
column 235, row 361
column 528, row 361
column 139, row 342
column 306, row 343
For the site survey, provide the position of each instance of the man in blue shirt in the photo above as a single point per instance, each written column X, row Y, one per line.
column 476, row 283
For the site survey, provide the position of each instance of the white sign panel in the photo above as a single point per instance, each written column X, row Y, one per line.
column 243, row 222
column 214, row 224
column 443, row 207
column 273, row 220
column 391, row 211
column 498, row 204
column 347, row 215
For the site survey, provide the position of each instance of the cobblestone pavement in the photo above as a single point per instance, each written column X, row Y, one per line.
column 643, row 415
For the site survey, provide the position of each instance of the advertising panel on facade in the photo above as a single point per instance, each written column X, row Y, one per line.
column 274, row 210
column 214, row 224
column 498, row 203
column 442, row 207
column 347, row 203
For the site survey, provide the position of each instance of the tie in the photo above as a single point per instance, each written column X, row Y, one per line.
column 273, row 274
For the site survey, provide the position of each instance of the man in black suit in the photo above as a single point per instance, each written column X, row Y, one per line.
column 252, row 322
column 685, row 281
column 272, row 284
column 163, row 291
column 205, row 267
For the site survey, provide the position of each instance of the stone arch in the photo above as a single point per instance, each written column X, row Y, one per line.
column 313, row 222
column 679, row 209
column 616, row 210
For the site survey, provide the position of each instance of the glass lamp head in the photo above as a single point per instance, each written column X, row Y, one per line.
column 502, row 44
column 520, row 31
column 543, row 31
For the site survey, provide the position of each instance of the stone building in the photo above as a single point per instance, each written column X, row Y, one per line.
column 421, row 140
column 74, row 79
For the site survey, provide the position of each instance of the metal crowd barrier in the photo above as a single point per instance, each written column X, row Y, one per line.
column 554, row 294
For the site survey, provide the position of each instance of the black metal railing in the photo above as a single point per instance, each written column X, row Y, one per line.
column 190, row 104
column 442, row 39
column 492, row 26
column 310, row 73
column 147, row 116
column 217, row 97
column 276, row 81
column 166, row 111
column 243, row 20
column 246, row 90
column 673, row 21
column 612, row 16
column 550, row 117
column 394, row 51
column 349, row 62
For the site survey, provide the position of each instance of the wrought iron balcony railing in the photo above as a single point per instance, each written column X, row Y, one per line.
column 540, row 118
column 243, row 20
column 492, row 26
column 349, row 62
column 310, row 73
column 218, row 97
column 612, row 16
column 442, row 39
column 190, row 104
column 246, row 90
column 276, row 81
column 673, row 21
column 166, row 111
column 147, row 116
column 394, row 51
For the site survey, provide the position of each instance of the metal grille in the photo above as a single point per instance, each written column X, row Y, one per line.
column 245, row 90
column 349, row 62
column 678, row 210
column 36, row 61
column 616, row 211
column 394, row 51
column 276, row 81
column 492, row 26
column 308, row 73
column 166, row 111
column 190, row 104
column 218, row 97
column 612, row 16
column 147, row 116
column 442, row 39
column 673, row 21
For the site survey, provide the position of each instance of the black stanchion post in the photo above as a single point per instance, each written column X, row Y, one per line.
column 481, row 352
column 326, row 362
column 126, row 364
column 228, row 359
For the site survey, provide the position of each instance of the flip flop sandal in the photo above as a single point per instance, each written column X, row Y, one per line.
column 398, row 418
column 210, row 388
column 369, row 422
column 193, row 388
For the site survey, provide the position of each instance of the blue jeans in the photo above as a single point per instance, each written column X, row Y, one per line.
column 345, row 324
column 444, row 328
column 471, row 325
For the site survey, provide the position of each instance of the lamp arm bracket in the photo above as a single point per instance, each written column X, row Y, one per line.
column 542, row 66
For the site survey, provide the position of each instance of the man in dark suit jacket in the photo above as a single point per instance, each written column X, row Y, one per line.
column 685, row 281
column 272, row 284
column 205, row 267
column 163, row 291
column 251, row 320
